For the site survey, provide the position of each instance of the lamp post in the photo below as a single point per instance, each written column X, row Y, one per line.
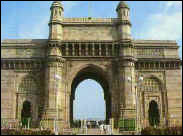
column 140, row 80
column 57, row 78
column 136, row 97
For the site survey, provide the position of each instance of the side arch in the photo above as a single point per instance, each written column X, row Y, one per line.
column 153, row 113
column 28, row 90
column 153, row 90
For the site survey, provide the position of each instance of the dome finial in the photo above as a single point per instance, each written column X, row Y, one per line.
column 57, row 4
column 122, row 4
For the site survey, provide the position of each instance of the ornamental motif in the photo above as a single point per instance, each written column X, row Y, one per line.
column 151, row 85
column 28, row 85
column 150, row 52
column 54, row 51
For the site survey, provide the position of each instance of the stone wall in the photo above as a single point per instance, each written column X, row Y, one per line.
column 23, row 48
column 156, row 49
column 22, row 53
column 85, row 32
column 13, row 97
column 174, row 93
column 8, row 94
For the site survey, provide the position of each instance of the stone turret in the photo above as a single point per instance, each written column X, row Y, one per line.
column 55, row 24
column 124, row 26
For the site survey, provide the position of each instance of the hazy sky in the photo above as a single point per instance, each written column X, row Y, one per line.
column 150, row 19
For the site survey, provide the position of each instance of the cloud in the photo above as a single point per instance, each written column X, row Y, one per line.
column 173, row 3
column 165, row 25
column 40, row 29
column 68, row 5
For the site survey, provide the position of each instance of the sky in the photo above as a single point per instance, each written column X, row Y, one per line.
column 151, row 20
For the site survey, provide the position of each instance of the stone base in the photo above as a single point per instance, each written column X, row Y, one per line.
column 128, row 113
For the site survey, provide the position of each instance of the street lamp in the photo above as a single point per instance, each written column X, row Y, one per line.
column 57, row 78
column 140, row 80
column 136, row 98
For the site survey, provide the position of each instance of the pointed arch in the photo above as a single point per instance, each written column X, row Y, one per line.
column 28, row 85
column 152, row 83
column 96, row 73
column 154, row 114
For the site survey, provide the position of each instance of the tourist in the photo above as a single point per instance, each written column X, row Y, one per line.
column 101, row 128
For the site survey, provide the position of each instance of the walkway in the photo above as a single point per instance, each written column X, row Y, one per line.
column 94, row 131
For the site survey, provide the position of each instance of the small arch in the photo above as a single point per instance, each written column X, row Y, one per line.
column 26, row 113
column 28, row 85
column 152, row 83
column 154, row 77
column 154, row 114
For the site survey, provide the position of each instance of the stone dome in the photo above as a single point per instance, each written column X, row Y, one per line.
column 122, row 4
column 57, row 4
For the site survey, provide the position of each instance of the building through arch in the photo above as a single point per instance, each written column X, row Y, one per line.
column 102, row 49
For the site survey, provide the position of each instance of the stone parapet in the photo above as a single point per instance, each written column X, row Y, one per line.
column 104, row 21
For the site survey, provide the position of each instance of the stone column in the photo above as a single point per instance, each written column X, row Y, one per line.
column 87, row 50
column 73, row 49
column 127, row 84
column 67, row 49
column 128, row 89
column 54, row 87
column 93, row 49
column 100, row 49
column 107, row 49
column 80, row 49
column 113, row 49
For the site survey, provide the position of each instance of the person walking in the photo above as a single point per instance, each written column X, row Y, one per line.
column 101, row 128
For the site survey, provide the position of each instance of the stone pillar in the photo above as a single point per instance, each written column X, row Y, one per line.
column 87, row 50
column 93, row 49
column 67, row 49
column 113, row 51
column 73, row 49
column 107, row 49
column 127, row 77
column 100, row 49
column 80, row 49
column 128, row 98
column 54, row 88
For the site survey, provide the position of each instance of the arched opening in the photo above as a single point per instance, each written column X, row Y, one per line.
column 154, row 116
column 98, row 75
column 26, row 113
column 89, row 103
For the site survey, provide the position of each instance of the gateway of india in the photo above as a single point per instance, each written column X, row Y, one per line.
column 39, row 77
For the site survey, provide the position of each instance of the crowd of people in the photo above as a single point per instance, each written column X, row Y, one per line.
column 101, row 125
column 90, row 124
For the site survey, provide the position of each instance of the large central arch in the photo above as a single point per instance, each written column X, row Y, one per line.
column 96, row 73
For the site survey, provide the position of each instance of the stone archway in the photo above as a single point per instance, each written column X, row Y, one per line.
column 154, row 114
column 28, row 92
column 26, row 113
column 152, row 92
column 97, row 74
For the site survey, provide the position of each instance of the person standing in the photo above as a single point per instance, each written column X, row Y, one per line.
column 101, row 128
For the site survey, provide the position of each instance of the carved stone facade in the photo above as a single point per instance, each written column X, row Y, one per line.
column 101, row 49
